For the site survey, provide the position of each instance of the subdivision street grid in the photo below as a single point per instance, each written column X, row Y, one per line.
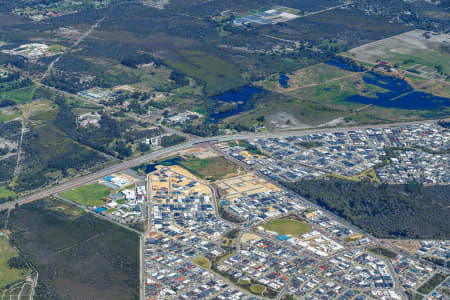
column 273, row 243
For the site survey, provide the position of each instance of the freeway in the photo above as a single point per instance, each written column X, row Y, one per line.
column 193, row 142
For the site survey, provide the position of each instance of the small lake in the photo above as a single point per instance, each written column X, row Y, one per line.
column 152, row 166
column 399, row 93
column 283, row 80
column 240, row 99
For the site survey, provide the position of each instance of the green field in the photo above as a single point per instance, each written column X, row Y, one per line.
column 257, row 288
column 287, row 226
column 7, row 274
column 5, row 193
column 89, row 195
column 214, row 168
column 21, row 95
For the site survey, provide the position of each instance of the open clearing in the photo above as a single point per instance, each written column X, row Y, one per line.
column 5, row 193
column 257, row 288
column 89, row 195
column 8, row 275
column 214, row 168
column 287, row 226
column 203, row 262
column 410, row 50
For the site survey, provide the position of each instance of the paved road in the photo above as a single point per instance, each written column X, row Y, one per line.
column 167, row 151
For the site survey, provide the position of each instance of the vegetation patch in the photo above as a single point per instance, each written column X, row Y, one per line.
column 383, row 252
column 88, row 195
column 433, row 282
column 10, row 270
column 6, row 194
column 257, row 288
column 217, row 74
column 78, row 256
column 203, row 262
column 387, row 211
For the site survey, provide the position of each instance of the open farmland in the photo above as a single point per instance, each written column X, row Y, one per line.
column 77, row 255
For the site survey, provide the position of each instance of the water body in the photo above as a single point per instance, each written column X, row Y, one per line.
column 240, row 99
column 348, row 67
column 152, row 167
column 283, row 80
column 399, row 93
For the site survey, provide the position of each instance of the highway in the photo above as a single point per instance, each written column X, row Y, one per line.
column 193, row 142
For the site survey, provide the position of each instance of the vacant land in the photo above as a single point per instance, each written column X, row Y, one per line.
column 433, row 282
column 213, row 168
column 9, row 275
column 88, row 195
column 413, row 49
column 319, row 95
column 309, row 76
column 287, row 226
column 383, row 252
column 217, row 74
column 203, row 262
column 77, row 255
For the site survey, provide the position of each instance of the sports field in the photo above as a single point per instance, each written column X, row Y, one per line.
column 89, row 195
column 287, row 226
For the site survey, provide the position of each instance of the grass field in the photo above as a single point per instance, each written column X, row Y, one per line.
column 5, row 193
column 214, row 168
column 257, row 288
column 8, row 275
column 287, row 226
column 77, row 255
column 89, row 195
column 21, row 95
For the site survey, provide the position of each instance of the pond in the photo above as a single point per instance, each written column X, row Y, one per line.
column 399, row 93
column 283, row 80
column 238, row 99
column 152, row 166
